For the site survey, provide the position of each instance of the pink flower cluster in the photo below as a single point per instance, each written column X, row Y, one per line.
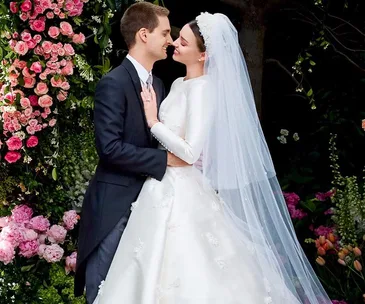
column 324, row 196
column 292, row 201
column 323, row 230
column 338, row 302
column 41, row 79
column 71, row 263
column 32, row 236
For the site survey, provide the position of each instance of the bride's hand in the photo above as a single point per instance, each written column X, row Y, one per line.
column 150, row 105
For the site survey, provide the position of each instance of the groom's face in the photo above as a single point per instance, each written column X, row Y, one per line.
column 159, row 39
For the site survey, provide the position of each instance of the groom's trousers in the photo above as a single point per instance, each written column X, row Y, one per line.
column 99, row 261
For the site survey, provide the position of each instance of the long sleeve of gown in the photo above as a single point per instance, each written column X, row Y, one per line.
column 198, row 120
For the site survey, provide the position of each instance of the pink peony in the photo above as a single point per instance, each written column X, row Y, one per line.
column 14, row 7
column 7, row 252
column 12, row 157
column 29, row 248
column 14, row 143
column 26, row 6
column 21, row 48
column 29, row 234
column 45, row 101
column 53, row 32
column 36, row 67
column 21, row 214
column 71, row 263
column 52, row 253
column 4, row 221
column 12, row 233
column 41, row 88
column 32, row 141
column 38, row 25
column 42, row 238
column 70, row 219
column 78, row 38
column 56, row 234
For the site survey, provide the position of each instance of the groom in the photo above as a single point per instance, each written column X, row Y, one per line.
column 126, row 149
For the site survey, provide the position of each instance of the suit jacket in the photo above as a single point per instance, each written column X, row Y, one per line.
column 127, row 156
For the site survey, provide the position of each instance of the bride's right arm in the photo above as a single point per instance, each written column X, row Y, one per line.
column 198, row 121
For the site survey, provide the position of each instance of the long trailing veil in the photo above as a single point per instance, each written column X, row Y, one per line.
column 237, row 163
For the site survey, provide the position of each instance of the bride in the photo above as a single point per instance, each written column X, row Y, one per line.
column 224, row 236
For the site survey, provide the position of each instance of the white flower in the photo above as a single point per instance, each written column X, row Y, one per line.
column 284, row 132
column 296, row 136
column 282, row 139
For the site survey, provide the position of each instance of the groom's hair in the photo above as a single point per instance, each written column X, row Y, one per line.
column 140, row 15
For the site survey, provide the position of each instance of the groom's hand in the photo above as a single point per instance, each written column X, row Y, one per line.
column 174, row 161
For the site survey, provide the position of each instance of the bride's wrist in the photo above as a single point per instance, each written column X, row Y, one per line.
column 152, row 122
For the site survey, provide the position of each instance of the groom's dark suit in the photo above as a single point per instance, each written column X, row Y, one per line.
column 127, row 155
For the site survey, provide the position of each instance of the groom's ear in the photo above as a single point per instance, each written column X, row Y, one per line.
column 142, row 34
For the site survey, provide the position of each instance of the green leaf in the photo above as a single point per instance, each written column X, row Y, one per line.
column 312, row 62
column 54, row 174
column 26, row 268
column 311, row 206
column 111, row 4
column 1, row 53
column 156, row 2
column 310, row 93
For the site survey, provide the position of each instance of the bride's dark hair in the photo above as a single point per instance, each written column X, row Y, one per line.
column 199, row 38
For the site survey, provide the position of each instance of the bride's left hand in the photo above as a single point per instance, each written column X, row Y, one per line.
column 150, row 105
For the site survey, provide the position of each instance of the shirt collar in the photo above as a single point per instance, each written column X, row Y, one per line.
column 141, row 71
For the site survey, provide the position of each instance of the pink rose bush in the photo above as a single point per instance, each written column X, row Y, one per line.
column 38, row 78
column 29, row 236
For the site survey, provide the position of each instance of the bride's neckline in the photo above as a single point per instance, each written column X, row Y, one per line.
column 185, row 80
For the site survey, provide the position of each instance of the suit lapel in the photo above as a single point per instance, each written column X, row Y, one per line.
column 138, row 88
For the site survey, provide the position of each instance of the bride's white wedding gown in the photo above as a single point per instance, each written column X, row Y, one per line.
column 178, row 247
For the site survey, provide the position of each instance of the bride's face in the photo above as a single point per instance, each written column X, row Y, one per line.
column 186, row 47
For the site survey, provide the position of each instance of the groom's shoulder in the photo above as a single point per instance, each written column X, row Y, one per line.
column 118, row 74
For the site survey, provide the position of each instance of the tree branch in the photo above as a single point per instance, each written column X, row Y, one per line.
column 340, row 43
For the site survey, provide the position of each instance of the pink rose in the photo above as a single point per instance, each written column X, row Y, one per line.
column 37, row 38
column 78, row 38
column 39, row 223
column 25, row 102
column 38, row 50
column 21, row 214
column 26, row 73
column 29, row 82
column 29, row 248
column 70, row 219
column 69, row 50
column 30, row 129
column 41, row 88
column 14, row 7
column 62, row 95
column 14, row 143
column 21, row 48
column 71, row 263
column 45, row 101
column 26, row 36
column 47, row 47
column 38, row 25
column 26, row 6
column 32, row 141
column 27, row 112
column 68, row 69
column 7, row 252
column 31, row 44
column 24, row 16
column 52, row 122
column 36, row 67
column 53, row 253
column 53, row 32
column 56, row 82
column 66, row 28
column 43, row 76
column 56, row 234
column 33, row 100
column 65, row 86
column 50, row 15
